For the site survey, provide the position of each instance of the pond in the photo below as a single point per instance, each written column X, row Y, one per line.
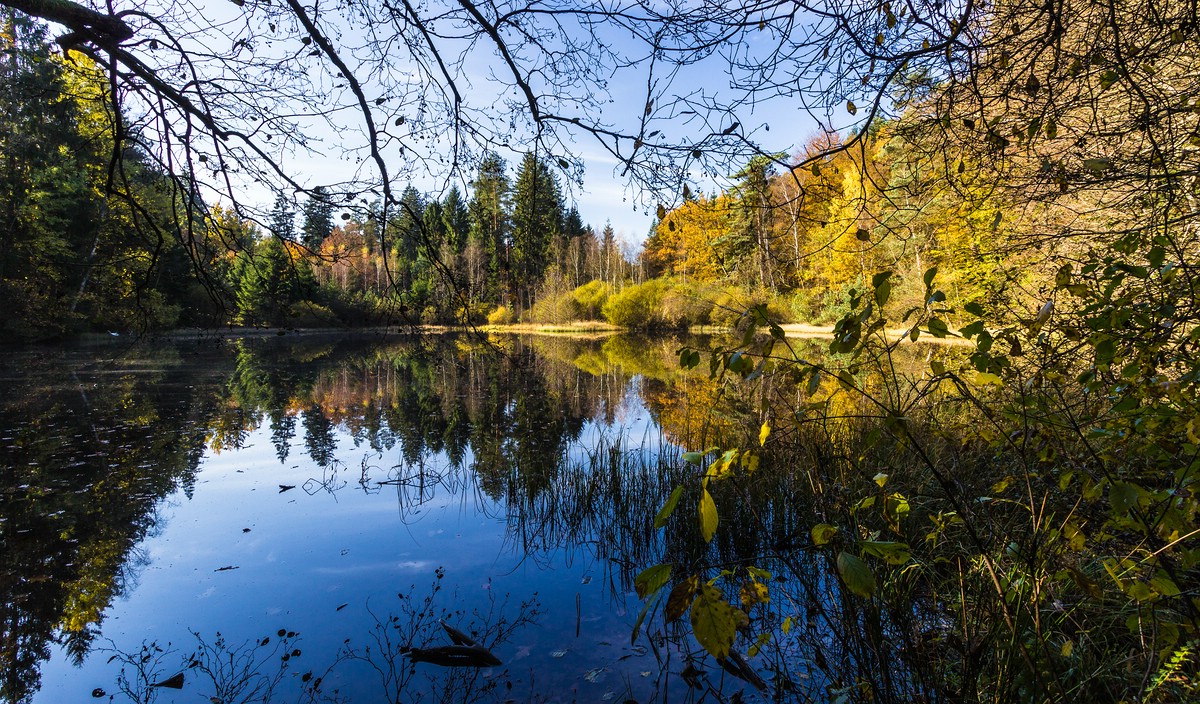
column 282, row 519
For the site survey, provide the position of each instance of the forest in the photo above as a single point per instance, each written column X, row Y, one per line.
column 83, row 256
column 1011, row 518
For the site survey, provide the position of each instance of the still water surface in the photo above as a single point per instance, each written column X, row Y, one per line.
column 292, row 513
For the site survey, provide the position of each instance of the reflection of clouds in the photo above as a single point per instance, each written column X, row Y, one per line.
column 383, row 566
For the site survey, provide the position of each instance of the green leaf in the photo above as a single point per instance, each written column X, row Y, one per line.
column 1123, row 496
column 973, row 308
column 668, row 508
column 637, row 625
column 814, row 382
column 938, row 328
column 972, row 329
column 882, row 293
column 651, row 580
column 708, row 516
column 879, row 278
column 715, row 622
column 1140, row 591
column 891, row 552
column 693, row 457
column 1097, row 166
column 822, row 533
column 929, row 276
column 856, row 574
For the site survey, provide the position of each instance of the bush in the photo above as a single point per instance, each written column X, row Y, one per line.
column 503, row 315
column 306, row 314
column 555, row 309
column 685, row 305
column 637, row 306
column 590, row 299
column 475, row 314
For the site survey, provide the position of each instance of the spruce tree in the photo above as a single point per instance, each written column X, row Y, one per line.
column 318, row 219
column 537, row 221
column 455, row 220
column 488, row 235
column 282, row 220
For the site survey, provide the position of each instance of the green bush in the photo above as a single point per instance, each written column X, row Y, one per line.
column 590, row 299
column 637, row 306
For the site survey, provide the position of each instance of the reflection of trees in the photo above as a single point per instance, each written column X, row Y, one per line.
column 83, row 473
column 83, row 466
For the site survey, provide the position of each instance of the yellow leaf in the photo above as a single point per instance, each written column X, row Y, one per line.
column 763, row 433
column 754, row 593
column 750, row 461
column 708, row 516
column 1067, row 649
column 822, row 533
column 714, row 622
column 985, row 378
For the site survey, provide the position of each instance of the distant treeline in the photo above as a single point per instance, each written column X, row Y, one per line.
column 92, row 242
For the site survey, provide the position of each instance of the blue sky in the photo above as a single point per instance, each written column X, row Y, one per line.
column 335, row 152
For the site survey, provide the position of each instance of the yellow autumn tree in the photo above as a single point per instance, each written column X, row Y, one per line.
column 683, row 243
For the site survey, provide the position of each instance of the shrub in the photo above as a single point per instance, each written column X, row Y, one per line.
column 503, row 315
column 637, row 306
column 590, row 299
column 685, row 305
column 555, row 309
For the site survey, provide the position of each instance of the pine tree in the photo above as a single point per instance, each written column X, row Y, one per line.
column 318, row 219
column 282, row 220
column 537, row 221
column 488, row 237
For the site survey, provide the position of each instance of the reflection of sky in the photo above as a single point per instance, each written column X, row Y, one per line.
column 319, row 563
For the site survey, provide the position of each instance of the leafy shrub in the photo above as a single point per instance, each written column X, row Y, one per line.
column 590, row 299
column 503, row 315
column 637, row 306
column 555, row 309
column 305, row 314
column 686, row 304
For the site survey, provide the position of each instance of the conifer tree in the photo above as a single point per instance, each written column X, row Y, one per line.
column 537, row 222
column 488, row 236
column 282, row 220
column 318, row 219
column 455, row 220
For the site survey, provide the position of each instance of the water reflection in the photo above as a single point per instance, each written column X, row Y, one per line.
column 272, row 482
column 92, row 447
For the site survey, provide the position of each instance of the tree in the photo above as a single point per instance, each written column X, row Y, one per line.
column 455, row 219
column 318, row 219
column 282, row 221
column 488, row 238
column 536, row 225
